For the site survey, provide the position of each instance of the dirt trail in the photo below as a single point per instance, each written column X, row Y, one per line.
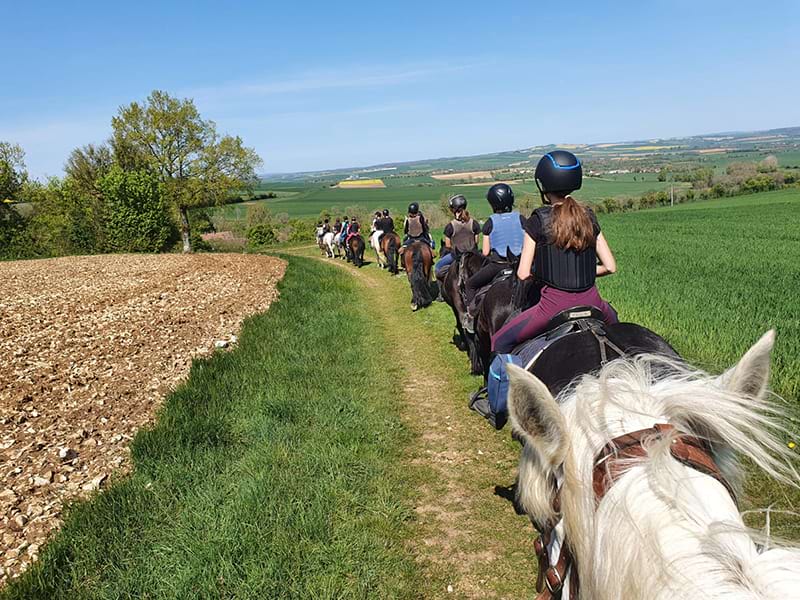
column 464, row 535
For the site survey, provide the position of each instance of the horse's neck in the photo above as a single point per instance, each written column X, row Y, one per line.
column 663, row 529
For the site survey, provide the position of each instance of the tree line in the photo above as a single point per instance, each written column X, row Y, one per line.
column 132, row 193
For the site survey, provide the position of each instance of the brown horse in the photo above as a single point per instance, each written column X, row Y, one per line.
column 356, row 246
column 390, row 246
column 418, row 260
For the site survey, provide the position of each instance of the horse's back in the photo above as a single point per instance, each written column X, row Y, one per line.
column 580, row 353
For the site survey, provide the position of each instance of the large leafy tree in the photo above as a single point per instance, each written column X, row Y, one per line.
column 87, row 165
column 197, row 166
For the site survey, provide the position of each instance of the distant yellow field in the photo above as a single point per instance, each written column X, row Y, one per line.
column 361, row 183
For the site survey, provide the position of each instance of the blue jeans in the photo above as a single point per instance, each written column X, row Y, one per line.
column 445, row 261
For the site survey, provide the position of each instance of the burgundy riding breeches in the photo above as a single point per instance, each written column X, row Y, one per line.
column 530, row 323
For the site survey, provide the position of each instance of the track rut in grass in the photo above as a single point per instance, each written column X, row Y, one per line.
column 464, row 535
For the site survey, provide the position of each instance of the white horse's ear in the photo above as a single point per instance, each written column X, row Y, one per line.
column 535, row 414
column 749, row 377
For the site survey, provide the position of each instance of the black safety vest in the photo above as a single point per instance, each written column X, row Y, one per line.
column 563, row 269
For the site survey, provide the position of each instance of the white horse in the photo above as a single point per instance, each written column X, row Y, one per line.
column 662, row 529
column 331, row 248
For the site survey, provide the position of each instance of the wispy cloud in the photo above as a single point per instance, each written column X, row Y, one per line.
column 328, row 79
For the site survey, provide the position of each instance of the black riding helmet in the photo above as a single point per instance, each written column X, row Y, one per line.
column 501, row 197
column 385, row 212
column 457, row 202
column 558, row 171
column 413, row 208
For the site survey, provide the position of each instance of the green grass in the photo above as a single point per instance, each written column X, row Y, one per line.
column 269, row 474
column 713, row 276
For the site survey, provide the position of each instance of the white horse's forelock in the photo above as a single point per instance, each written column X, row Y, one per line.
column 665, row 530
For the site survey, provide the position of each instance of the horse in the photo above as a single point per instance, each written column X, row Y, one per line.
column 452, row 287
column 331, row 248
column 418, row 260
column 390, row 246
column 505, row 297
column 356, row 247
column 632, row 471
column 341, row 249
column 318, row 233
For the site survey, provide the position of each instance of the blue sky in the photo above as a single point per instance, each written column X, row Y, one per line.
column 314, row 85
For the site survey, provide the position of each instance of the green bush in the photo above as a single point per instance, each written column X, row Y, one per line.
column 137, row 217
column 261, row 235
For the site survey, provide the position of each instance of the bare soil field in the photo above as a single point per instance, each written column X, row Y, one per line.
column 464, row 175
column 89, row 346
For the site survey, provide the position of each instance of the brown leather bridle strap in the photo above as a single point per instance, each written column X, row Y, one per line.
column 551, row 579
column 615, row 457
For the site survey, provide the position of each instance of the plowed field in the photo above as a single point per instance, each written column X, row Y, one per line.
column 88, row 348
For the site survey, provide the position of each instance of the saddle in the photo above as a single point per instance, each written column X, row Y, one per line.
column 574, row 320
column 503, row 275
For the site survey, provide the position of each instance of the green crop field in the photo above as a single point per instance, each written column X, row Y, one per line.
column 307, row 201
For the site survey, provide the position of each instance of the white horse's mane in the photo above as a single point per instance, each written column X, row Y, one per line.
column 663, row 530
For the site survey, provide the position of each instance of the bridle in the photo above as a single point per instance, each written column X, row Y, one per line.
column 610, row 464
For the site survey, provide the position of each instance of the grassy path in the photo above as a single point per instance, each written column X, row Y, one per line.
column 270, row 474
column 463, row 534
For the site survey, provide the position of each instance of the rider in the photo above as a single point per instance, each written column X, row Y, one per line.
column 376, row 230
column 460, row 234
column 502, row 234
column 337, row 227
column 563, row 243
column 326, row 226
column 353, row 230
column 387, row 223
column 415, row 227
column 345, row 228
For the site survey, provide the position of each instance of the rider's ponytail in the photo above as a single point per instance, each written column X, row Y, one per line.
column 572, row 227
column 462, row 215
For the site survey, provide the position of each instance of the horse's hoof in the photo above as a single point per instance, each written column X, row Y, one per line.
column 414, row 307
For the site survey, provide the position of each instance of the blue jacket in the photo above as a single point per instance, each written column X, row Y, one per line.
column 506, row 234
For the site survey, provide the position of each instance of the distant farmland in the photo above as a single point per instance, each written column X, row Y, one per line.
column 308, row 200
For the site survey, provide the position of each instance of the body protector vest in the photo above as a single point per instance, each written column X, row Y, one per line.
column 507, row 234
column 563, row 269
column 415, row 226
column 387, row 224
column 463, row 239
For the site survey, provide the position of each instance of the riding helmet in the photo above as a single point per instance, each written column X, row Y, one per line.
column 457, row 202
column 501, row 197
column 413, row 208
column 385, row 212
column 559, row 171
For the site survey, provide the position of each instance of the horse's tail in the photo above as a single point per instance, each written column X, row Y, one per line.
column 420, row 288
column 391, row 254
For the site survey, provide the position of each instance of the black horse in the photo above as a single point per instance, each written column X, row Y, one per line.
column 506, row 296
column 418, row 262
column 452, row 287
